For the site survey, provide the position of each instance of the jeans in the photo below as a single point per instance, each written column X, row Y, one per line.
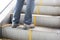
column 28, row 12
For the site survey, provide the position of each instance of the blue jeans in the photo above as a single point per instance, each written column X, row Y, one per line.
column 28, row 12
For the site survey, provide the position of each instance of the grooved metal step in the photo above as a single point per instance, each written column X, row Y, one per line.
column 40, row 33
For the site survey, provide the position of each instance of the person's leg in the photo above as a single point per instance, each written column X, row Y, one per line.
column 17, row 12
column 29, row 11
column 28, row 15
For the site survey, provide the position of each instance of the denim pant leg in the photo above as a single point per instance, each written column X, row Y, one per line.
column 29, row 11
column 17, row 11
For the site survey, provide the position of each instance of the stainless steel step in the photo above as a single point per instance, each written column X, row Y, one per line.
column 37, row 33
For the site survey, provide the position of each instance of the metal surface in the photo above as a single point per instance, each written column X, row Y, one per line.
column 44, row 20
column 46, row 2
column 41, row 20
column 5, row 15
column 5, row 6
column 37, row 33
column 45, row 10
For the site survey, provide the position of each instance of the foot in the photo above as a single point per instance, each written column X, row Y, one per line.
column 26, row 26
column 29, row 26
column 14, row 25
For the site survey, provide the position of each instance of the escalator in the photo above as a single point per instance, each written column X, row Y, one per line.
column 46, row 21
